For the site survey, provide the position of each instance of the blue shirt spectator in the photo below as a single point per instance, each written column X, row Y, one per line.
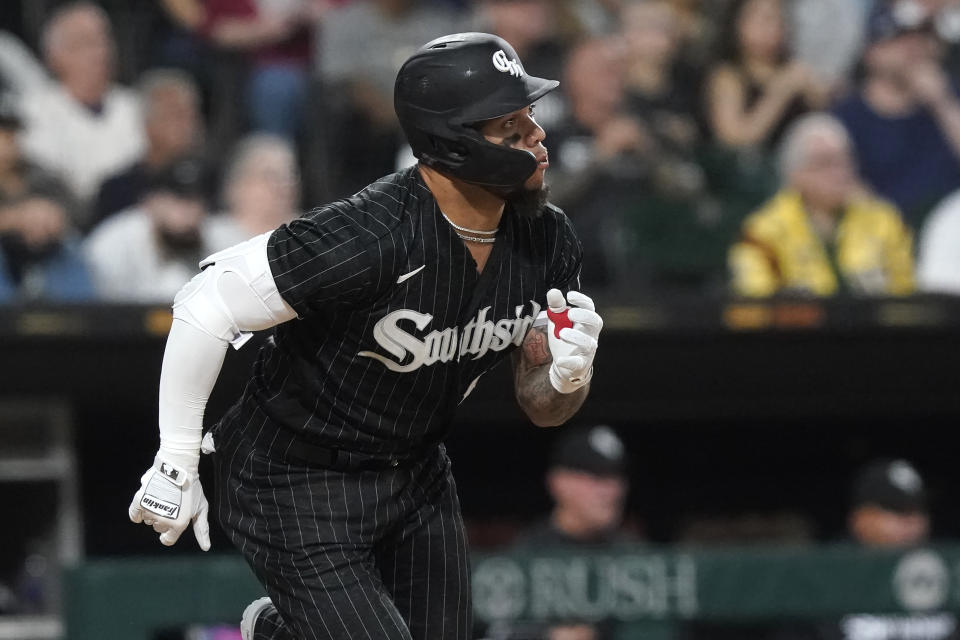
column 904, row 119
column 906, row 159
column 38, row 255
column 57, row 276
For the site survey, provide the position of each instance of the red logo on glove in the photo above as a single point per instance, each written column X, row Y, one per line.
column 560, row 320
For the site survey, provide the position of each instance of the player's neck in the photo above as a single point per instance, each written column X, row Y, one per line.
column 468, row 205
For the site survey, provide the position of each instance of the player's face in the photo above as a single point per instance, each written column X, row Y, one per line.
column 519, row 130
column 596, row 502
column 876, row 527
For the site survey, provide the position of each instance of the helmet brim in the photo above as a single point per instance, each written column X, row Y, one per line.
column 535, row 88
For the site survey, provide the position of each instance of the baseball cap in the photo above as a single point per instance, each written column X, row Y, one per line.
column 893, row 485
column 185, row 177
column 597, row 450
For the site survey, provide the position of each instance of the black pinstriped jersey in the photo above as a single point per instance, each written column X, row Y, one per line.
column 395, row 324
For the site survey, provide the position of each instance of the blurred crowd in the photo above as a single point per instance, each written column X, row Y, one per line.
column 756, row 147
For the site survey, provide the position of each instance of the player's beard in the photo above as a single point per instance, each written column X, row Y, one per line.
column 529, row 203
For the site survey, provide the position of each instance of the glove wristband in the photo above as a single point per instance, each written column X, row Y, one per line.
column 566, row 385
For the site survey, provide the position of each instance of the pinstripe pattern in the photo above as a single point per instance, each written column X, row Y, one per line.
column 375, row 369
column 348, row 555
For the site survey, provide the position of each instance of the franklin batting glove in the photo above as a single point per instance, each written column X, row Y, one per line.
column 169, row 499
column 572, row 333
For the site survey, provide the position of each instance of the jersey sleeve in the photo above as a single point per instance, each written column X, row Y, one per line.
column 321, row 259
column 566, row 255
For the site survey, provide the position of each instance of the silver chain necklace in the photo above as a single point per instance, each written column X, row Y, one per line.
column 479, row 232
column 473, row 239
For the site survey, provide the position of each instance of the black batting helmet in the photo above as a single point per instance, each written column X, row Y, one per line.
column 458, row 80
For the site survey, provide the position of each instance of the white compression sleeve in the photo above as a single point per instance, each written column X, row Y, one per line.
column 235, row 294
column 191, row 364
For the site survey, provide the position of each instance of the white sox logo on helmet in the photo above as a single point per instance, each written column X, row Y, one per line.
column 506, row 65
column 476, row 338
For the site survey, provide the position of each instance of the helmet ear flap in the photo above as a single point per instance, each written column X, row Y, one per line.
column 449, row 149
column 468, row 156
column 457, row 152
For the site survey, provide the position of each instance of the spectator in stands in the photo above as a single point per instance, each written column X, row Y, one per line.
column 20, row 71
column 661, row 92
column 18, row 175
column 598, row 154
column 576, row 20
column 363, row 45
column 938, row 262
column 674, row 234
column 530, row 26
column 82, row 126
column 261, row 186
column 277, row 37
column 946, row 17
column 38, row 254
column 905, row 118
column 697, row 28
column 174, row 128
column 822, row 233
column 757, row 89
column 148, row 252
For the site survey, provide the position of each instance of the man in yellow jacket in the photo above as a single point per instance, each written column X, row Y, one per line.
column 822, row 234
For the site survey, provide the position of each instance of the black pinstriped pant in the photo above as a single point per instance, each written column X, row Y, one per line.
column 348, row 555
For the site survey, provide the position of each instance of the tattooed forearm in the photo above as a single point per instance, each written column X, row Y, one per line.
column 536, row 352
column 544, row 405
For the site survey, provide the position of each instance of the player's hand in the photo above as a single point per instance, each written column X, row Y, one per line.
column 169, row 499
column 572, row 333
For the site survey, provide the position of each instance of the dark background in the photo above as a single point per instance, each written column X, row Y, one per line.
column 727, row 410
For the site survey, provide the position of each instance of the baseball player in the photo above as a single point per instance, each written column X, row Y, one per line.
column 386, row 308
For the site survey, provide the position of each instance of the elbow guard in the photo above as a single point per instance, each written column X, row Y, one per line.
column 234, row 294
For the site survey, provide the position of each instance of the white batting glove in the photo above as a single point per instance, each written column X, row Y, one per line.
column 572, row 333
column 169, row 499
